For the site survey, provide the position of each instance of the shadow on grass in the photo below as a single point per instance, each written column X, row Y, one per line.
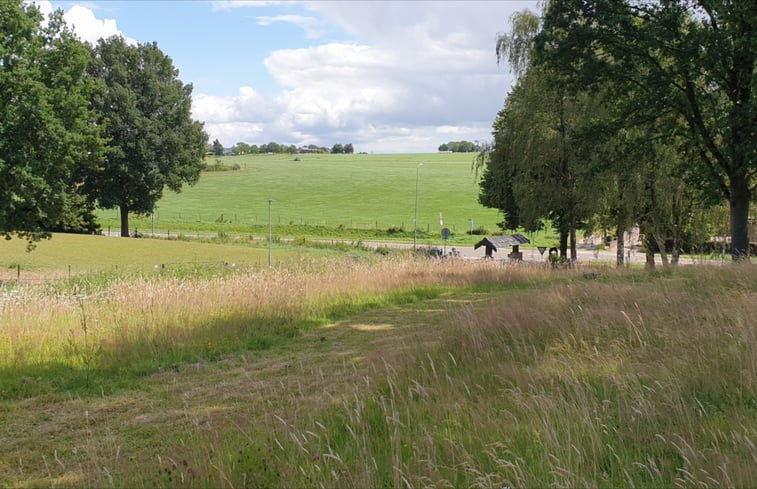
column 112, row 366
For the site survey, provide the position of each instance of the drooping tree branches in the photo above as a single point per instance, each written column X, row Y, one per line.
column 692, row 60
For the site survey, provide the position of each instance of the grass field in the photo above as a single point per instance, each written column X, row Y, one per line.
column 97, row 254
column 396, row 372
column 338, row 192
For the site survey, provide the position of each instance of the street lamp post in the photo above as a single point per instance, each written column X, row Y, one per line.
column 415, row 221
column 270, row 233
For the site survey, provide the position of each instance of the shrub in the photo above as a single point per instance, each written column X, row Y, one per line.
column 479, row 231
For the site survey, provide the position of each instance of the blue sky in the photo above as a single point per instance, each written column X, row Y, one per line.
column 388, row 77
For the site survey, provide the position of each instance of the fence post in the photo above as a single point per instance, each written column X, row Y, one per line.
column 18, row 271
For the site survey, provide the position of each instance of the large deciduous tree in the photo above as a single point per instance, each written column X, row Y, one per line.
column 532, row 171
column 694, row 60
column 145, row 111
column 48, row 135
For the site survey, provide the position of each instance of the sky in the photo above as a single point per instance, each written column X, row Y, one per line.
column 385, row 76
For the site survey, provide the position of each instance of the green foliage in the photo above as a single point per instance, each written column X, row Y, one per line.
column 460, row 147
column 217, row 148
column 533, row 171
column 669, row 63
column 145, row 111
column 48, row 136
column 516, row 47
column 478, row 231
column 220, row 166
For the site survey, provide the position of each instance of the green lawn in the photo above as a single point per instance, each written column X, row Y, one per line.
column 85, row 253
column 351, row 191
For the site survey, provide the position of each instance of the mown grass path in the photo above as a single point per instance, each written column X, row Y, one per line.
column 525, row 379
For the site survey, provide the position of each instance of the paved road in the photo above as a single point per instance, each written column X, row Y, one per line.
column 633, row 255
column 532, row 254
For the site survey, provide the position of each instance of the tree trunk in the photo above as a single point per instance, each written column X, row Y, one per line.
column 676, row 251
column 663, row 252
column 124, row 221
column 563, row 243
column 621, row 246
column 648, row 251
column 739, row 198
column 573, row 251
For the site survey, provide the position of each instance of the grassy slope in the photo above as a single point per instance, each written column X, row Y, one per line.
column 630, row 380
column 361, row 191
column 84, row 253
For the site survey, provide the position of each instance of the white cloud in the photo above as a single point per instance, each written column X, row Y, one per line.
column 312, row 26
column 415, row 75
column 84, row 22
column 424, row 73
column 44, row 6
column 89, row 28
column 233, row 4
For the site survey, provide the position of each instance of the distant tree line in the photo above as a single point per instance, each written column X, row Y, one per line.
column 460, row 147
column 242, row 148
column 339, row 149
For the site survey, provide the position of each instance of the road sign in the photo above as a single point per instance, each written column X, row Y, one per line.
column 445, row 234
column 541, row 249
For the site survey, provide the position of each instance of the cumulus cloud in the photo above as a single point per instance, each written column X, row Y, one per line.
column 407, row 76
column 84, row 22
column 89, row 28
column 422, row 74
column 312, row 26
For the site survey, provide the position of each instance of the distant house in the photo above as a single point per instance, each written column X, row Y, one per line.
column 494, row 243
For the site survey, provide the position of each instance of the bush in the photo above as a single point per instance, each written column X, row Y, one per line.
column 219, row 166
column 479, row 231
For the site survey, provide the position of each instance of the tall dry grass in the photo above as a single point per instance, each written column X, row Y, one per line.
column 546, row 379
column 148, row 322
column 634, row 381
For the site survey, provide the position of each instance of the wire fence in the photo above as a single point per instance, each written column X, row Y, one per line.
column 183, row 221
column 23, row 274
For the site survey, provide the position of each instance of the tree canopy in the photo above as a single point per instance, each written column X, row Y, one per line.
column 691, row 62
column 48, row 135
column 144, row 109
column 459, row 147
column 217, row 148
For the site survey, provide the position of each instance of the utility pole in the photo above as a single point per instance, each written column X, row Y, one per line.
column 415, row 221
column 270, row 233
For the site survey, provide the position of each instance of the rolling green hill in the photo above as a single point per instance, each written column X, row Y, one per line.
column 349, row 191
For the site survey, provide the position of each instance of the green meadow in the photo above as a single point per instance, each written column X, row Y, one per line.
column 190, row 363
column 393, row 371
column 352, row 196
column 95, row 254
